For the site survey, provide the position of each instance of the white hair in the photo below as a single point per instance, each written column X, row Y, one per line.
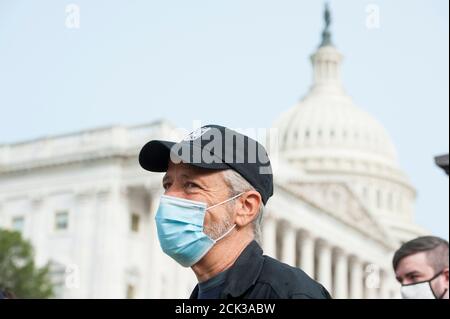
column 237, row 184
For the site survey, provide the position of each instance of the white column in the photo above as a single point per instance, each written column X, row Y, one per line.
column 356, row 279
column 372, row 281
column 394, row 290
column 289, row 245
column 83, row 257
column 371, row 293
column 99, row 282
column 110, row 244
column 324, row 266
column 40, row 224
column 341, row 275
column 384, row 285
column 307, row 253
column 155, row 253
column 118, row 239
column 270, row 236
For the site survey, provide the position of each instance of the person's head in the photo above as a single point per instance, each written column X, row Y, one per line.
column 421, row 267
column 216, row 184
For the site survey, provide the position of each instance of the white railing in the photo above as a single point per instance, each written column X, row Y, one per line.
column 115, row 138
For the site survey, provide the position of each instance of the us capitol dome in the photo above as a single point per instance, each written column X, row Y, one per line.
column 328, row 137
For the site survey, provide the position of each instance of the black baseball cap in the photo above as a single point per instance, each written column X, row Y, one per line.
column 214, row 147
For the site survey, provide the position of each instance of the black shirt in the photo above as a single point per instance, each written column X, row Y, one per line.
column 212, row 288
column 256, row 276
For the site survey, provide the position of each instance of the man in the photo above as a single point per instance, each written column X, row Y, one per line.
column 216, row 184
column 421, row 267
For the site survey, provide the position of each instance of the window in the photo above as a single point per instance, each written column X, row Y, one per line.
column 135, row 221
column 379, row 199
column 307, row 134
column 18, row 223
column 61, row 220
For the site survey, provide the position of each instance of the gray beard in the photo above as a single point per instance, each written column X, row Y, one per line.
column 216, row 230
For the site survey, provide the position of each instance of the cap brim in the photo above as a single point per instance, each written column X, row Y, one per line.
column 155, row 156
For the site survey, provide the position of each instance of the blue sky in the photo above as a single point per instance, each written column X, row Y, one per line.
column 239, row 63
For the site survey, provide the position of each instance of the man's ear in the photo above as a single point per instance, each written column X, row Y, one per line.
column 247, row 208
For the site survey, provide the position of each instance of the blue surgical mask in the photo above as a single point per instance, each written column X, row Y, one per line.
column 180, row 224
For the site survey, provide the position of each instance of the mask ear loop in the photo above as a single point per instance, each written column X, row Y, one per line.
column 227, row 200
column 234, row 226
column 443, row 294
column 226, row 233
column 429, row 283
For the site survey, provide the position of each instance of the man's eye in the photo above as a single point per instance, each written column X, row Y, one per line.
column 190, row 185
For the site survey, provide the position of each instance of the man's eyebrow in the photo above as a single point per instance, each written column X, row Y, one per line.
column 186, row 176
column 414, row 272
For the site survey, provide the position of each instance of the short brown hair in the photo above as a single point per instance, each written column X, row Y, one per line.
column 436, row 249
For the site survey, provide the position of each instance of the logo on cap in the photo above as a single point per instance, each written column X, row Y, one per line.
column 196, row 134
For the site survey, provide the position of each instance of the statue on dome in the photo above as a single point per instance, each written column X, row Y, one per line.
column 326, row 35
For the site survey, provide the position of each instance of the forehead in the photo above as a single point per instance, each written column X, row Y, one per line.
column 193, row 171
column 415, row 262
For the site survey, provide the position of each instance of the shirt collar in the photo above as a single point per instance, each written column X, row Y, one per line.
column 243, row 274
column 245, row 271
